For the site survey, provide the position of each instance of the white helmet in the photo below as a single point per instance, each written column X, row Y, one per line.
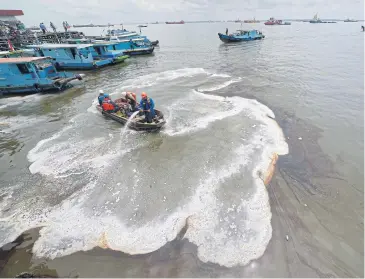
column 124, row 94
column 101, row 91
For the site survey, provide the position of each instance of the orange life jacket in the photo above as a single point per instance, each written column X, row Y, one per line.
column 107, row 106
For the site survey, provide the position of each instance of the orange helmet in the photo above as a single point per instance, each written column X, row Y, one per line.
column 144, row 94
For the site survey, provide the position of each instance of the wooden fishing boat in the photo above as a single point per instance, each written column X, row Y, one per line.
column 241, row 35
column 138, row 122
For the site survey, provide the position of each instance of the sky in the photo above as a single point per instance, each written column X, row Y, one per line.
column 140, row 11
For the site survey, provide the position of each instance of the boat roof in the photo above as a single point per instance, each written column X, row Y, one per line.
column 15, row 51
column 50, row 46
column 103, row 43
column 17, row 60
column 115, row 38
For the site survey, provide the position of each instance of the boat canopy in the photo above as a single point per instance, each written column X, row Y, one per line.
column 115, row 38
column 103, row 43
column 19, row 60
column 53, row 46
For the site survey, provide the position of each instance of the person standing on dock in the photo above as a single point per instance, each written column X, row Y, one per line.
column 43, row 28
column 227, row 31
column 53, row 26
column 64, row 25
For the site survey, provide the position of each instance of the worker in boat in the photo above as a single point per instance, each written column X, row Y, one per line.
column 52, row 26
column 227, row 31
column 108, row 105
column 43, row 28
column 147, row 106
column 101, row 97
column 131, row 98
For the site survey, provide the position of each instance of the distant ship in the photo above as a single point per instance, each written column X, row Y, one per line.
column 251, row 21
column 175, row 22
column 317, row 20
column 237, row 20
column 273, row 21
column 350, row 20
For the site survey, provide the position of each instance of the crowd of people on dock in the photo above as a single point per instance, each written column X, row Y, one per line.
column 128, row 104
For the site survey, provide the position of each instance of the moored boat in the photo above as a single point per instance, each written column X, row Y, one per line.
column 32, row 75
column 137, row 123
column 72, row 56
column 132, row 47
column 241, row 35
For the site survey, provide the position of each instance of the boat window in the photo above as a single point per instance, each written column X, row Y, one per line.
column 73, row 51
column 23, row 68
column 97, row 49
column 42, row 64
column 114, row 47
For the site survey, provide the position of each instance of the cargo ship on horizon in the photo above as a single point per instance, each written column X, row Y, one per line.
column 175, row 22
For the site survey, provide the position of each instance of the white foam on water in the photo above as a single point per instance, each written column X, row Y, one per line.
column 220, row 75
column 151, row 80
column 92, row 108
column 16, row 123
column 219, row 86
column 19, row 100
column 72, row 226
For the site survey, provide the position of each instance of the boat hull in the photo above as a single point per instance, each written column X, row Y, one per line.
column 232, row 39
column 56, row 86
column 120, row 59
column 84, row 66
column 149, row 127
column 138, row 51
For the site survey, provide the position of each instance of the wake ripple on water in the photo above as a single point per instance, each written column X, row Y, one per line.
column 140, row 190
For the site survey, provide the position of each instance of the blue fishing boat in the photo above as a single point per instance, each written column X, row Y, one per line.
column 32, row 75
column 72, row 56
column 123, row 34
column 105, row 50
column 132, row 47
column 241, row 35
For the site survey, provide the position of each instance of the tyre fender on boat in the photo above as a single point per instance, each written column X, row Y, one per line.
column 37, row 87
column 58, row 85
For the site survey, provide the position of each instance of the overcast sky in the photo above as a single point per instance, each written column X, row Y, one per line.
column 118, row 11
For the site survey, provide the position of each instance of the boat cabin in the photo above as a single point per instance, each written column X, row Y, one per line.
column 30, row 74
column 105, row 49
column 248, row 33
column 72, row 56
